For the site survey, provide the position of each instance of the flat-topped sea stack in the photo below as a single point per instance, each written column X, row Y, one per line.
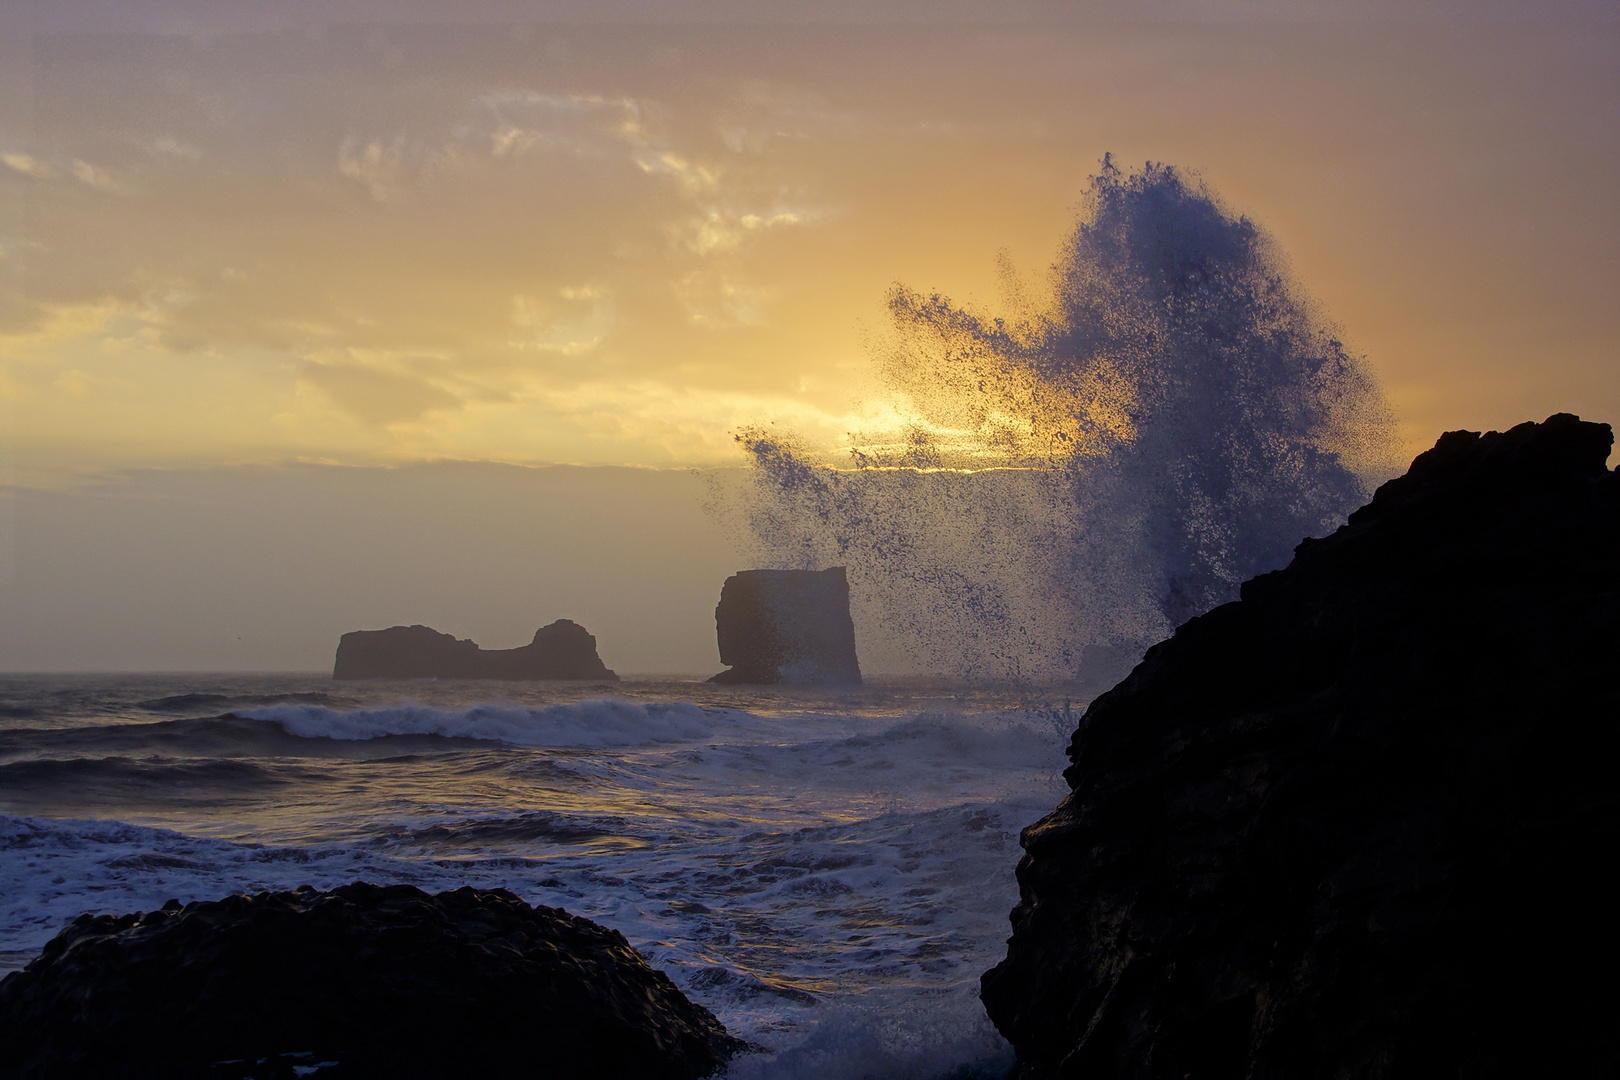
column 1360, row 822
column 563, row 650
column 786, row 626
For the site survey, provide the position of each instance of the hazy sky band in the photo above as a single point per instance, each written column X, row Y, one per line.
column 618, row 244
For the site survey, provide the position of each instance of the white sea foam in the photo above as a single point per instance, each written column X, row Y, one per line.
column 846, row 949
column 897, row 1036
column 830, row 884
column 582, row 724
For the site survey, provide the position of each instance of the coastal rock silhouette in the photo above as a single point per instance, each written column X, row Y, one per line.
column 562, row 650
column 786, row 626
column 382, row 981
column 1358, row 822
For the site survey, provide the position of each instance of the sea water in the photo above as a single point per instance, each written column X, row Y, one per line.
column 829, row 871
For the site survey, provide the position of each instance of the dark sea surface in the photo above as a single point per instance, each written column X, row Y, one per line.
column 829, row 871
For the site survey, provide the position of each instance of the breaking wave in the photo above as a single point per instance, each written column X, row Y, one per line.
column 585, row 724
column 1166, row 417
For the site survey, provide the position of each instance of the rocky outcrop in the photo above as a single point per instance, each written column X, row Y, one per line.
column 385, row 982
column 1359, row 822
column 563, row 650
column 786, row 626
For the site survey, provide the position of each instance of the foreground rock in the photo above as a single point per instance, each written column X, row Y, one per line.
column 383, row 981
column 786, row 626
column 1360, row 822
column 563, row 650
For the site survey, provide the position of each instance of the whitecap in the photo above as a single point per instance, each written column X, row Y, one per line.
column 604, row 723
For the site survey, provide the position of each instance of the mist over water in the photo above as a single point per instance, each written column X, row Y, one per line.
column 1167, row 415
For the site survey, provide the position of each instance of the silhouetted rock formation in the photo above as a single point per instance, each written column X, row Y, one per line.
column 786, row 626
column 385, row 981
column 1359, row 822
column 563, row 650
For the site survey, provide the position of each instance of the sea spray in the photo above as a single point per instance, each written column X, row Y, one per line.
column 1113, row 455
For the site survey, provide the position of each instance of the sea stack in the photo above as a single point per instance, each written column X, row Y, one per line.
column 1359, row 822
column 562, row 650
column 786, row 626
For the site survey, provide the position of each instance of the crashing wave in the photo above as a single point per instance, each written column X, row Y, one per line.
column 1107, row 459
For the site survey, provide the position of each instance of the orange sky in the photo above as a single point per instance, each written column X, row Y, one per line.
column 255, row 235
column 616, row 244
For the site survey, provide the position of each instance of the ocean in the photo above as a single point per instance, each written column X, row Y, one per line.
column 828, row 870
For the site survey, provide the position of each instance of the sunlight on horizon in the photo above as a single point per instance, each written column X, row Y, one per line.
column 622, row 245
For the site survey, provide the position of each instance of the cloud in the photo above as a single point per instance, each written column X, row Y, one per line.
column 374, row 395
column 572, row 332
column 98, row 178
column 526, row 120
column 593, row 125
column 55, row 330
column 513, row 141
column 714, row 297
column 375, row 164
column 715, row 301
column 724, row 230
column 694, row 178
column 28, row 166
column 509, row 126
column 169, row 146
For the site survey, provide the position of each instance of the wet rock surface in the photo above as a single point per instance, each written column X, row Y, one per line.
column 360, row 981
column 786, row 626
column 562, row 650
column 1358, row 823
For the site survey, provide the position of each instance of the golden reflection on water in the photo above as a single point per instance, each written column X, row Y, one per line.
column 460, row 796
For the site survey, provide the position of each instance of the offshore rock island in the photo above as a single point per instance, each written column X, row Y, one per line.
column 786, row 626
column 562, row 650
column 1358, row 822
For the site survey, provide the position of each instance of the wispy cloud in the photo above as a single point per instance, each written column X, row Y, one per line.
column 29, row 166
column 693, row 177
column 169, row 146
column 581, row 324
column 376, row 164
column 723, row 230
column 525, row 121
column 98, row 178
column 716, row 301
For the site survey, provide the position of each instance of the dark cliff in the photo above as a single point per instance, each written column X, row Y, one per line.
column 786, row 626
column 562, row 650
column 376, row 981
column 1357, row 823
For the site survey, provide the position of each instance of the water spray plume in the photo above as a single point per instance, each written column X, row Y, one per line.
column 1110, row 456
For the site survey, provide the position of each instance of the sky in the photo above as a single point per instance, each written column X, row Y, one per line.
column 302, row 265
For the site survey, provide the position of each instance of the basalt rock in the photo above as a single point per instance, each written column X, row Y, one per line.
column 562, row 650
column 373, row 981
column 786, row 626
column 1360, row 822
